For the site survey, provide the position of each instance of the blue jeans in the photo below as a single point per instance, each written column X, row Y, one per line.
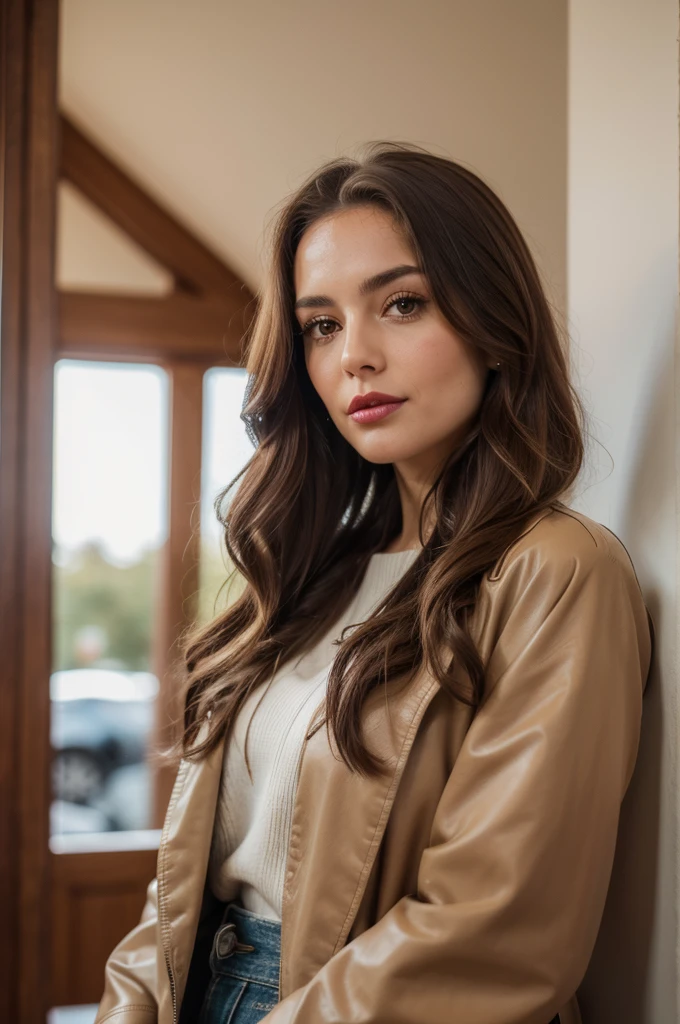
column 245, row 961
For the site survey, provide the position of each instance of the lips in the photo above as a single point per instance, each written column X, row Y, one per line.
column 371, row 399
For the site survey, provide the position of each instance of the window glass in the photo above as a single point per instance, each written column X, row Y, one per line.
column 226, row 450
column 109, row 524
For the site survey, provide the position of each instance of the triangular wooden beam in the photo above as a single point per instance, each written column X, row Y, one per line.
column 142, row 218
column 206, row 317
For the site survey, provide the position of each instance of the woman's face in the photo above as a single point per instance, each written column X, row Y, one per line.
column 370, row 325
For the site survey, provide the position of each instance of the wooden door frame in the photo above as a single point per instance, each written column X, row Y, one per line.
column 28, row 172
column 200, row 324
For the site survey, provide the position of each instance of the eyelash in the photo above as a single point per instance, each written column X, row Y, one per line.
column 321, row 319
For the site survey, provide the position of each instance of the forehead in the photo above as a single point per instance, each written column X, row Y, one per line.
column 345, row 247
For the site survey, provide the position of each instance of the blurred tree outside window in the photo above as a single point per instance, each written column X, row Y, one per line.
column 103, row 611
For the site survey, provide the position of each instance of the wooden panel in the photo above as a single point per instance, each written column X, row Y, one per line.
column 110, row 326
column 160, row 234
column 12, row 21
column 36, row 611
column 28, row 71
column 97, row 898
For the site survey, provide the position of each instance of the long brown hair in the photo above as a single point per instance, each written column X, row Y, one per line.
column 309, row 511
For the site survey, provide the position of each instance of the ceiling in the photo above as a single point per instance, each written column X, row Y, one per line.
column 220, row 109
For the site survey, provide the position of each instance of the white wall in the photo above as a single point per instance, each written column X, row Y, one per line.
column 622, row 279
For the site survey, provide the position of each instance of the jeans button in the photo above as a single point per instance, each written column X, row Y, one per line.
column 225, row 940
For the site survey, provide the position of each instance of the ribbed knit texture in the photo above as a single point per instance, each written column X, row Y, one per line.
column 253, row 819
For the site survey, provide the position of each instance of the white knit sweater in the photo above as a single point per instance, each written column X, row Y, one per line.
column 253, row 819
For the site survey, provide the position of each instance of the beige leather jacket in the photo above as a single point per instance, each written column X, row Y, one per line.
column 468, row 884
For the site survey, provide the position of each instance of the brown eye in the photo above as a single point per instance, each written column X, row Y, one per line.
column 407, row 306
column 324, row 327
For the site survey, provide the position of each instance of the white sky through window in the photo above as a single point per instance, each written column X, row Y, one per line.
column 226, row 446
column 110, row 457
column 111, row 454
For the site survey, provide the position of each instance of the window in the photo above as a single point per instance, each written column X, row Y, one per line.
column 109, row 525
column 226, row 450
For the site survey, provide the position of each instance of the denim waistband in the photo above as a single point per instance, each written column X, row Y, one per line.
column 262, row 963
column 260, row 959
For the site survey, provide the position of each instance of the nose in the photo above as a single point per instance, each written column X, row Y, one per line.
column 361, row 348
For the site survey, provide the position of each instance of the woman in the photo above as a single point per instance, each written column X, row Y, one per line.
column 476, row 650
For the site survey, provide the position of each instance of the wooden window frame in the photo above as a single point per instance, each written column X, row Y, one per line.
column 199, row 325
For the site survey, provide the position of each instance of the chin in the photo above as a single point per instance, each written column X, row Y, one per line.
column 387, row 454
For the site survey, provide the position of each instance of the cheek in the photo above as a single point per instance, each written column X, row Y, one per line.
column 441, row 366
column 320, row 371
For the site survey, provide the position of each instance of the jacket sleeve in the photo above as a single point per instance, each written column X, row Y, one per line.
column 130, row 975
column 512, row 885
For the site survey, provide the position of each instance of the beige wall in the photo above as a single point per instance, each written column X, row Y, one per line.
column 93, row 254
column 221, row 107
column 622, row 282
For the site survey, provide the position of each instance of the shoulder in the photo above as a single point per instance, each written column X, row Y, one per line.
column 564, row 541
column 566, row 569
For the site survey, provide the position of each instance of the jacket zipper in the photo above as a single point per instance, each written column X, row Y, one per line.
column 165, row 930
column 173, row 990
column 162, row 915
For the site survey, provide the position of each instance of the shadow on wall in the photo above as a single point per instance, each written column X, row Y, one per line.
column 618, row 978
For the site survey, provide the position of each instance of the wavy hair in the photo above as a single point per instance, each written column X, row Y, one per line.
column 303, row 517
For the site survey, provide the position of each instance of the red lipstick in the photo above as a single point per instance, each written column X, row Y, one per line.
column 373, row 406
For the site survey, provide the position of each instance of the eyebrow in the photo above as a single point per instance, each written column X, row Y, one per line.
column 371, row 284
